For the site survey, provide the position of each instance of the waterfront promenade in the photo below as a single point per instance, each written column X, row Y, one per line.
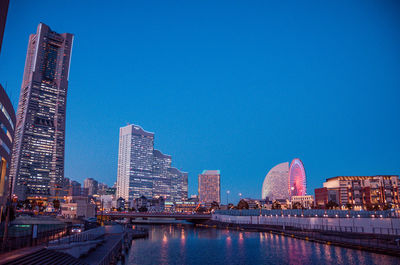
column 377, row 234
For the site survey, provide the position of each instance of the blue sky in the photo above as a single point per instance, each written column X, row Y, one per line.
column 238, row 86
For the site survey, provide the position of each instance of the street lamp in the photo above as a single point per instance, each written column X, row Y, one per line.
column 227, row 196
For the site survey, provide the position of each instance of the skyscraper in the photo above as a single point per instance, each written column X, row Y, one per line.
column 135, row 163
column 297, row 178
column 178, row 184
column 145, row 171
column 276, row 183
column 161, row 179
column 209, row 186
column 92, row 186
column 38, row 153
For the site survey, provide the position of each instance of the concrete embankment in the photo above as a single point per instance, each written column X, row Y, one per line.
column 383, row 244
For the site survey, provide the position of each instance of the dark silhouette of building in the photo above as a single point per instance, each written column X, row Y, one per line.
column 3, row 18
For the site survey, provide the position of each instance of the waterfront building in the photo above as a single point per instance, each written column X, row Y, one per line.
column 77, row 207
column 135, row 163
column 325, row 195
column 297, row 178
column 150, row 205
column 306, row 201
column 210, row 187
column 188, row 206
column 91, row 185
column 161, row 180
column 360, row 192
column 253, row 203
column 145, row 171
column 276, row 183
column 38, row 154
column 179, row 184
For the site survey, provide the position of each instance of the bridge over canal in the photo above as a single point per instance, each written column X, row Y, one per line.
column 193, row 218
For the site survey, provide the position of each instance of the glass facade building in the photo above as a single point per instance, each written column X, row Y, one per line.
column 161, row 179
column 210, row 186
column 276, row 183
column 38, row 154
column 7, row 123
column 145, row 171
column 297, row 178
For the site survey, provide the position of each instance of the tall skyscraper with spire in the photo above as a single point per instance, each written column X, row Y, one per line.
column 38, row 154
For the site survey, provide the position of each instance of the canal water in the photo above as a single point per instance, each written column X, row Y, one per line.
column 187, row 244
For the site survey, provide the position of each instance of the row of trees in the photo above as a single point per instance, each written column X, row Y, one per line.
column 369, row 207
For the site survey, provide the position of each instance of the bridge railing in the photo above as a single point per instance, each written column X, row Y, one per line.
column 87, row 235
column 310, row 213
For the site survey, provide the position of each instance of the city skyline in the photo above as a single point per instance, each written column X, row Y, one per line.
column 230, row 102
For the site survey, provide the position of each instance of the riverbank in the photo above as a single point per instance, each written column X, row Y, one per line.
column 388, row 245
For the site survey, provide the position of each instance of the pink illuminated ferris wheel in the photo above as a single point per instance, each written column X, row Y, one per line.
column 297, row 178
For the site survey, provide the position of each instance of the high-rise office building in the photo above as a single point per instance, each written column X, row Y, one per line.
column 209, row 186
column 179, row 184
column 135, row 163
column 145, row 171
column 297, row 178
column 91, row 185
column 161, row 179
column 75, row 189
column 38, row 153
column 276, row 183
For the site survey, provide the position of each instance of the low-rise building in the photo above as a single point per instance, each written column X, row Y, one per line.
column 360, row 192
column 77, row 207
column 306, row 201
column 150, row 205
column 188, row 206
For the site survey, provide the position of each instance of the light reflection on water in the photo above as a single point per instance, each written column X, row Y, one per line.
column 185, row 244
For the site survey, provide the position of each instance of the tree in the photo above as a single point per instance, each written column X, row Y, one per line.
column 349, row 206
column 276, row 205
column 201, row 209
column 331, row 205
column 230, row 206
column 297, row 205
column 243, row 205
column 387, row 206
column 214, row 206
column 375, row 207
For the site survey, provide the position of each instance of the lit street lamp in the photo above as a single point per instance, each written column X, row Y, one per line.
column 227, row 197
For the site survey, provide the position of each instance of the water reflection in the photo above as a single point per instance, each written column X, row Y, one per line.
column 185, row 244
